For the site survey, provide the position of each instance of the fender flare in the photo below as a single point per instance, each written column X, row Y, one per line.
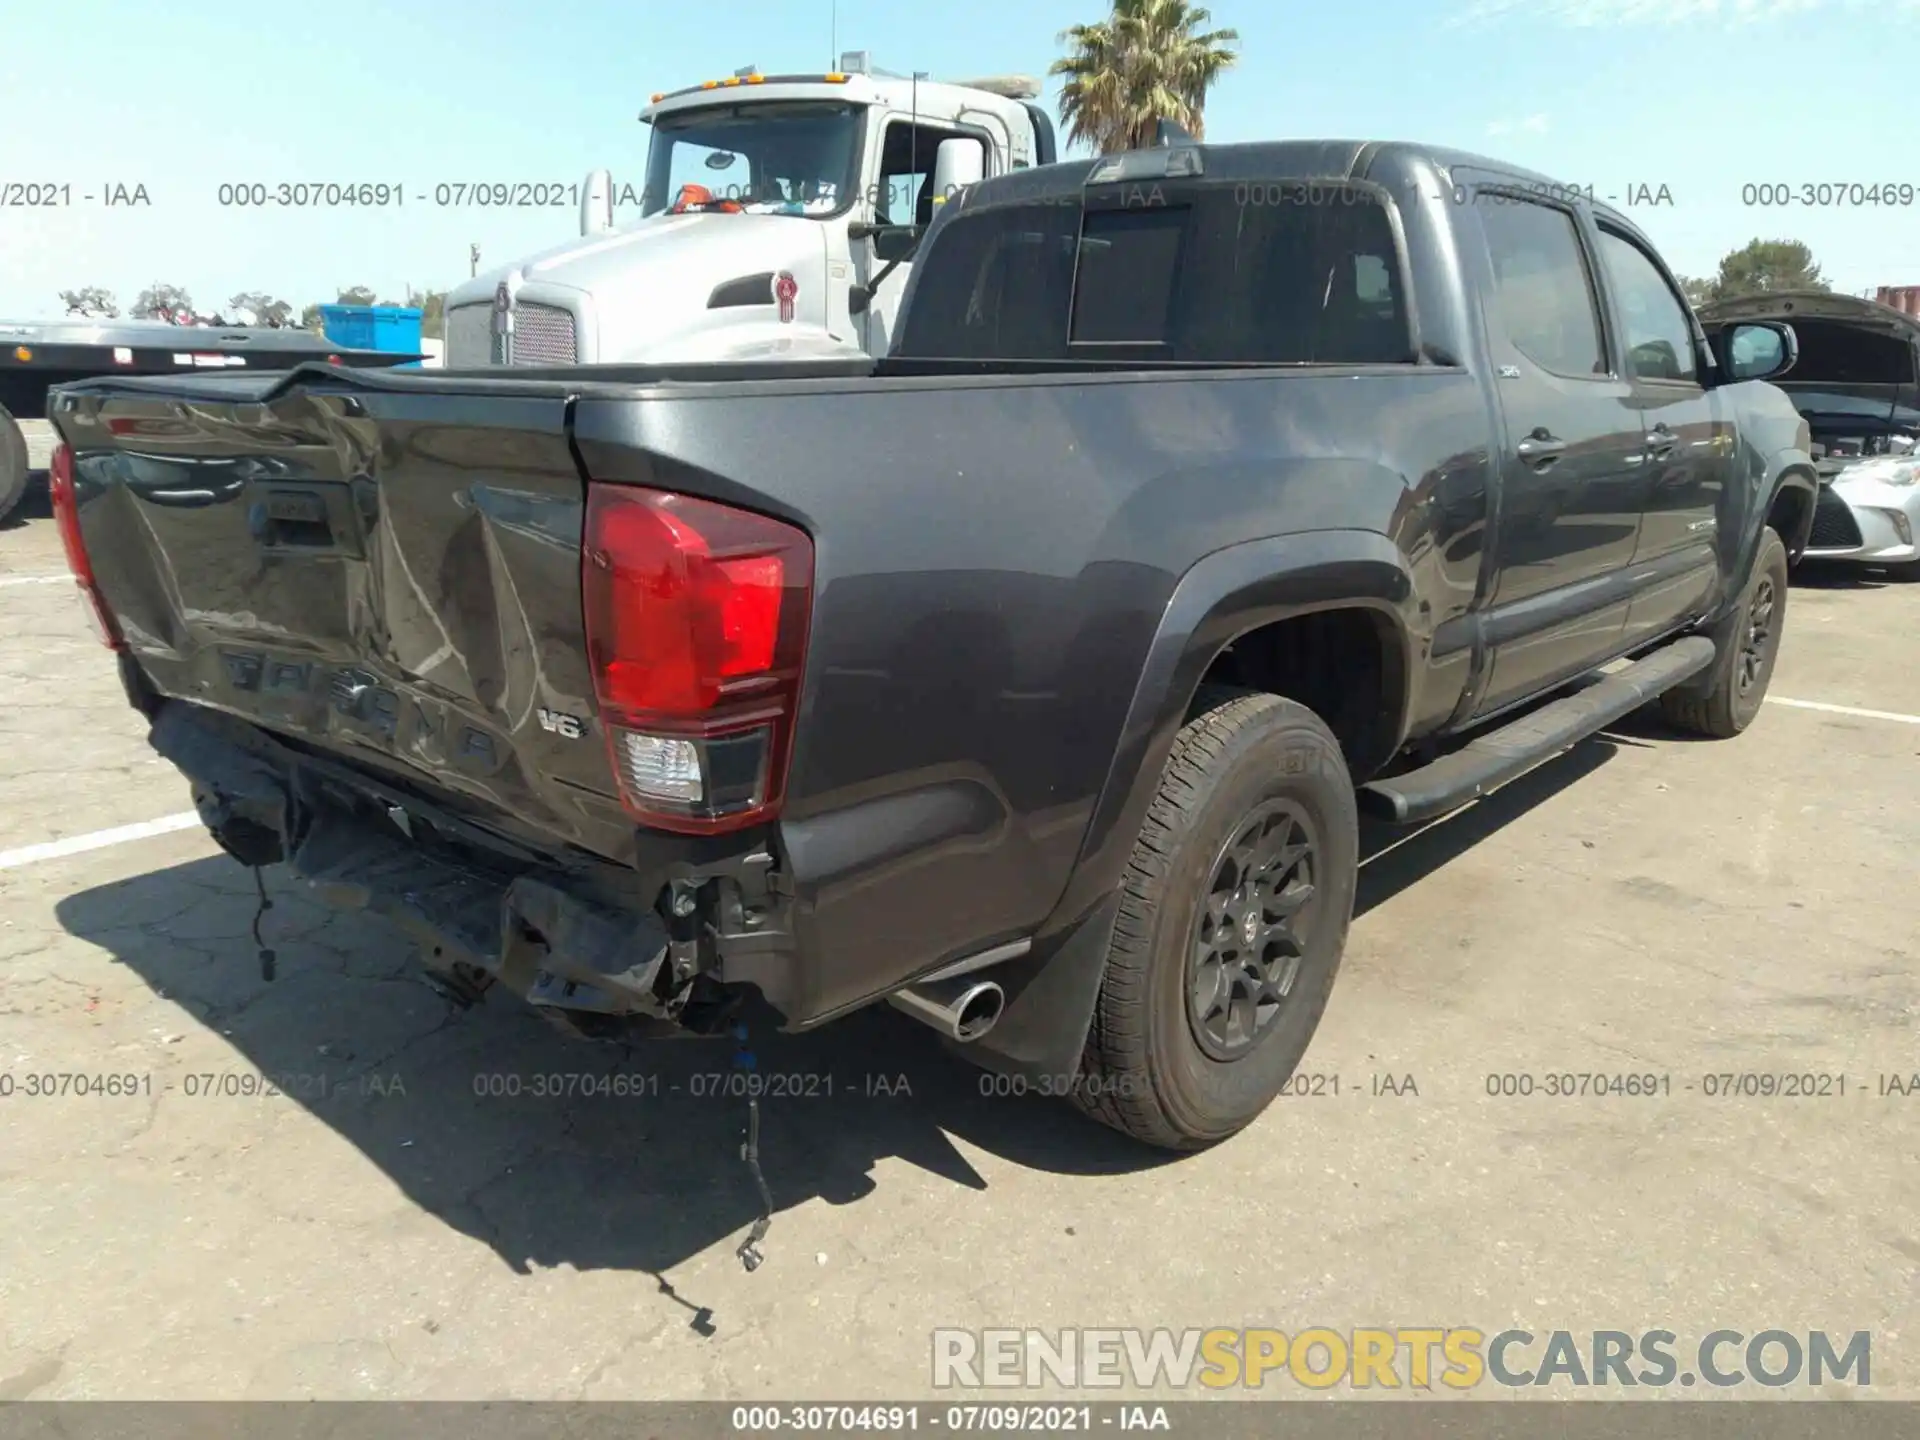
column 1230, row 592
column 1792, row 471
column 1788, row 470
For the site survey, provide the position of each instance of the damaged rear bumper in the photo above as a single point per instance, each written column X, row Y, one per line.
column 587, row 941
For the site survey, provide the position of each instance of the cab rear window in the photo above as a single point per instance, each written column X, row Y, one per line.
column 1300, row 273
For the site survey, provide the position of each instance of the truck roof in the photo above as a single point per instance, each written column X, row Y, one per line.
column 1258, row 160
column 849, row 86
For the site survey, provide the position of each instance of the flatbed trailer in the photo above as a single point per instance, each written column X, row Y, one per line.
column 37, row 355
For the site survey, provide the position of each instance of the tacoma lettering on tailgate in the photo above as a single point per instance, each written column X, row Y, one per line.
column 413, row 726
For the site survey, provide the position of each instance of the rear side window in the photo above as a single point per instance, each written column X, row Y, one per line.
column 1542, row 287
column 1296, row 273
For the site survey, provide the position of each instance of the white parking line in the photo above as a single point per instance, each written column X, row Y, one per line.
column 97, row 840
column 6, row 580
column 1892, row 715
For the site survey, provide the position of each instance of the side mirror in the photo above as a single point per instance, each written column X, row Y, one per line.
column 1757, row 350
column 894, row 243
column 596, row 203
column 956, row 165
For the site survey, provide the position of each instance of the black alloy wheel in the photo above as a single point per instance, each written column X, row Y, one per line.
column 1756, row 650
column 1252, row 930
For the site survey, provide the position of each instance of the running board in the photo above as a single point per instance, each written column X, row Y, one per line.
column 1485, row 764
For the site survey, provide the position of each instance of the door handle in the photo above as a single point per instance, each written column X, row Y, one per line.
column 1540, row 449
column 1660, row 440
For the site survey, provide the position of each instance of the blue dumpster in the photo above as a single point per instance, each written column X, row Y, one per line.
column 394, row 329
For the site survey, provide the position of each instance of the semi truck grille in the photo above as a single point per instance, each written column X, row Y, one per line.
column 1833, row 524
column 542, row 335
column 469, row 336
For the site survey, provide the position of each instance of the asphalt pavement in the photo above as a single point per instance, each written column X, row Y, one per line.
column 331, row 1186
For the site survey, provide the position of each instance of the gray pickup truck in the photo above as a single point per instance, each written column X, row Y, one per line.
column 1032, row 677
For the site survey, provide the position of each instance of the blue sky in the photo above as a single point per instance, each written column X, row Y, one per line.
column 1699, row 96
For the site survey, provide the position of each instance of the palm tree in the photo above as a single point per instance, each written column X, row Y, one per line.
column 1149, row 60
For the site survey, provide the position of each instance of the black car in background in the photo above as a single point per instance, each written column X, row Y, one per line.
column 1856, row 379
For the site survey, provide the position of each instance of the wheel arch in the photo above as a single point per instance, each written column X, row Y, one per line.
column 1230, row 595
column 1790, row 503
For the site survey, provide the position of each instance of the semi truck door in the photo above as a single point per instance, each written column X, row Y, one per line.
column 903, row 195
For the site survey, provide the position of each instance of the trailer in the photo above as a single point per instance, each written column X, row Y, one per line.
column 37, row 355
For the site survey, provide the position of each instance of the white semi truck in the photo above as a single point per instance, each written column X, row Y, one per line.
column 777, row 219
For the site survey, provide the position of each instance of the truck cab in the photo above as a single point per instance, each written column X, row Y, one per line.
column 777, row 218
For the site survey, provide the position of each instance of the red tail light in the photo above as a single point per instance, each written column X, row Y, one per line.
column 66, row 512
column 696, row 618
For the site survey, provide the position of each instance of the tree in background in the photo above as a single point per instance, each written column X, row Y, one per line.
column 432, row 305
column 261, row 308
column 91, row 303
column 1763, row 265
column 311, row 319
column 163, row 302
column 1756, row 268
column 1148, row 61
column 359, row 295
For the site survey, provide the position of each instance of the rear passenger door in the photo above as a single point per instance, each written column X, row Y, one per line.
column 1689, row 441
column 1571, row 473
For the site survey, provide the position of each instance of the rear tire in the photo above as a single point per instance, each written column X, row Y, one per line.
column 13, row 464
column 1746, row 645
column 1212, row 992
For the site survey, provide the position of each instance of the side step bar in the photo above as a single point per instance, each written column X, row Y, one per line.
column 1485, row 764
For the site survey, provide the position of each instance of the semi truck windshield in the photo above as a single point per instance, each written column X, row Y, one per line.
column 770, row 157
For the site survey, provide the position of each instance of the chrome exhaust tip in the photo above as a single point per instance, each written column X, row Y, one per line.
column 962, row 1009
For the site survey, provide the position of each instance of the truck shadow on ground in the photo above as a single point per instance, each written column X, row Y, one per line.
column 555, row 1151
column 1843, row 575
column 36, row 503
column 1393, row 858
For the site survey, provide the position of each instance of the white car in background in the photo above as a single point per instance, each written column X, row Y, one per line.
column 1857, row 383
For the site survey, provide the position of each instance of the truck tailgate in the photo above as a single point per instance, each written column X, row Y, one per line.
column 388, row 575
